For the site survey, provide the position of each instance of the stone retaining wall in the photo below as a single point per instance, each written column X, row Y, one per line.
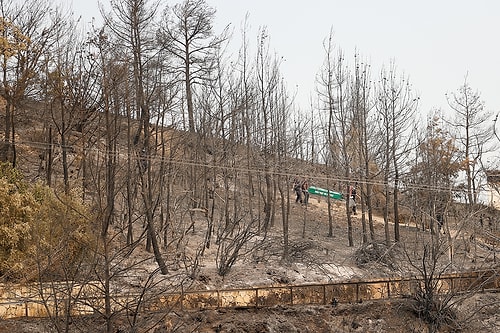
column 348, row 292
column 33, row 301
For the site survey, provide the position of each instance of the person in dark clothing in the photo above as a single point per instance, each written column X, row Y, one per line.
column 353, row 199
column 298, row 190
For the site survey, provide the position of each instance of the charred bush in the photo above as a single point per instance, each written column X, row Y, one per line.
column 375, row 253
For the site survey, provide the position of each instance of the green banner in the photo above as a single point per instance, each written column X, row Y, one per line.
column 325, row 193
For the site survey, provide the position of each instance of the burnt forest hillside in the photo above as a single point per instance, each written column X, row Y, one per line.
column 204, row 200
column 155, row 177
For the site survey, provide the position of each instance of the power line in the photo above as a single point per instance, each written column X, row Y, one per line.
column 185, row 162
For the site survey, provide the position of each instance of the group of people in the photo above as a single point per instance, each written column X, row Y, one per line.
column 301, row 188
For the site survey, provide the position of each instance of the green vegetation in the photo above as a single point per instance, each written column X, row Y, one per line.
column 39, row 229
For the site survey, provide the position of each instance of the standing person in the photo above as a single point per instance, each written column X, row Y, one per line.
column 352, row 197
column 297, row 189
column 305, row 191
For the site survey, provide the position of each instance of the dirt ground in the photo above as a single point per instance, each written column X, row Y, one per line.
column 374, row 317
column 314, row 258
